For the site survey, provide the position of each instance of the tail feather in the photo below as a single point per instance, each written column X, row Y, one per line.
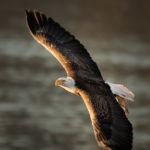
column 121, row 90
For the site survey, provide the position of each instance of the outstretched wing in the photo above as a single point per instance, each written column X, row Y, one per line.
column 69, row 52
column 111, row 127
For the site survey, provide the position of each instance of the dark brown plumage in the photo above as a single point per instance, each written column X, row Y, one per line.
column 111, row 127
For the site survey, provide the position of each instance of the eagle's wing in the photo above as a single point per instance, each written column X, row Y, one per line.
column 69, row 52
column 111, row 127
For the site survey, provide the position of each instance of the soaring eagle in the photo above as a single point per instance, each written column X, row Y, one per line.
column 105, row 101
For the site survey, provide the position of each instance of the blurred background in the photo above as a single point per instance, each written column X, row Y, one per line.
column 34, row 114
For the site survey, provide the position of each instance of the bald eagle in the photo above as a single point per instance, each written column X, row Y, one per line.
column 105, row 101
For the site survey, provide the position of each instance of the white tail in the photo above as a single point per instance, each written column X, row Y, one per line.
column 121, row 90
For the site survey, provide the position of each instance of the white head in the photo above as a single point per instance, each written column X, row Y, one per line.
column 66, row 83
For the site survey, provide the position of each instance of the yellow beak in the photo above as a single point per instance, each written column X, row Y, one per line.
column 57, row 82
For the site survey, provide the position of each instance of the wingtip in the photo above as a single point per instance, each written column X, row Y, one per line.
column 31, row 21
column 35, row 20
column 27, row 11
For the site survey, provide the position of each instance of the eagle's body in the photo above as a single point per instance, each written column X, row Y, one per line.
column 111, row 127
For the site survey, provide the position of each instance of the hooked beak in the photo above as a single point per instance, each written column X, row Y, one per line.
column 57, row 83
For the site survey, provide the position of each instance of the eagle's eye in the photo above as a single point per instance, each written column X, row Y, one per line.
column 62, row 80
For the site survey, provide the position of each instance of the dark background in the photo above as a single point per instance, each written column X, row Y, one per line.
column 34, row 115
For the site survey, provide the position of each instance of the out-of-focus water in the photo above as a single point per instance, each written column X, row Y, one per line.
column 34, row 114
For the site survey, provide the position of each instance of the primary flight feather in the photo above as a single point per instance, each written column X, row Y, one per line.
column 112, row 129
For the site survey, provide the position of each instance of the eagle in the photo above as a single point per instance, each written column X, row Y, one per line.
column 105, row 101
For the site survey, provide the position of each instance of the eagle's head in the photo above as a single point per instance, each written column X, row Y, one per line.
column 66, row 83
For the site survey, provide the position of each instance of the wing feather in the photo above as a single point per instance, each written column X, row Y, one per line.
column 70, row 52
column 111, row 127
